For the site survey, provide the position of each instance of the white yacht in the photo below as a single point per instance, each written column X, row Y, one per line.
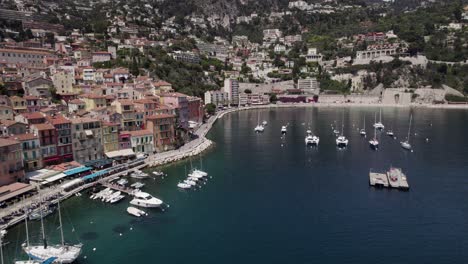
column 158, row 173
column 342, row 141
column 143, row 199
column 137, row 174
column 199, row 172
column 122, row 182
column 189, row 182
column 116, row 199
column 264, row 123
column 374, row 143
column 62, row 252
column 311, row 139
column 284, row 130
column 379, row 125
column 406, row 144
column 137, row 185
column 259, row 128
column 183, row 185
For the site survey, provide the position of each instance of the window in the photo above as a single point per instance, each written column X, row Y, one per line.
column 25, row 155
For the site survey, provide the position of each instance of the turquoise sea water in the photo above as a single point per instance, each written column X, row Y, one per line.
column 274, row 200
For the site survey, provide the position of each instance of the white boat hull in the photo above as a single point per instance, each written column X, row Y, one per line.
column 64, row 254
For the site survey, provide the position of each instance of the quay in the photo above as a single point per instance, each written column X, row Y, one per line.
column 393, row 178
column 16, row 213
column 116, row 187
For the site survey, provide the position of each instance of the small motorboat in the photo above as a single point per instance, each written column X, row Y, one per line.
column 137, row 185
column 158, row 173
column 342, row 142
column 189, row 182
column 116, row 199
column 264, row 123
column 183, row 185
column 193, row 179
column 336, row 131
column 259, row 129
column 122, row 182
column 390, row 133
column 36, row 215
column 136, row 212
column 284, row 130
column 137, row 174
column 362, row 132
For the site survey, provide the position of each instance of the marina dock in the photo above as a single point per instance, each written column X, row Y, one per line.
column 119, row 188
column 393, row 178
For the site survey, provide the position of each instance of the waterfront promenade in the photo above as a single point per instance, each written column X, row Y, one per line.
column 50, row 195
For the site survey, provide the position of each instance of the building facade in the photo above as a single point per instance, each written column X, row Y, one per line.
column 48, row 141
column 64, row 140
column 87, row 139
column 162, row 127
column 231, row 87
column 31, row 147
column 11, row 162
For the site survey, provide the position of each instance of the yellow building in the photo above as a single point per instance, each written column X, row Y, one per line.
column 93, row 101
column 110, row 136
column 127, row 109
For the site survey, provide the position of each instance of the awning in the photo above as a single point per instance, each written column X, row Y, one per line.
column 120, row 153
column 94, row 175
column 76, row 170
column 54, row 178
column 88, row 132
column 19, row 188
column 71, row 183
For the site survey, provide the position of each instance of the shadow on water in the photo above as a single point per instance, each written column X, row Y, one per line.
column 89, row 236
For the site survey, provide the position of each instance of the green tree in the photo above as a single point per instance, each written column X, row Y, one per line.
column 210, row 108
column 134, row 70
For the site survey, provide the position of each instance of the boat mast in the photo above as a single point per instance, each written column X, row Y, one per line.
column 27, row 230
column 342, row 124
column 1, row 249
column 60, row 221
column 380, row 116
column 375, row 129
column 409, row 127
column 42, row 227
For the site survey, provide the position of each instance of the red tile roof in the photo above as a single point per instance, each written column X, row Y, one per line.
column 161, row 116
column 43, row 126
column 138, row 133
column 7, row 142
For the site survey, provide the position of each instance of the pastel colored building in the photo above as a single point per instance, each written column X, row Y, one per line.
column 48, row 141
column 31, row 148
column 11, row 162
column 163, row 129
column 87, row 139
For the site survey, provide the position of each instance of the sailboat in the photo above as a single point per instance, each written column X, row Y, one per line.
column 406, row 144
column 379, row 124
column 311, row 139
column 362, row 132
column 62, row 252
column 33, row 261
column 259, row 128
column 342, row 141
column 374, row 143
